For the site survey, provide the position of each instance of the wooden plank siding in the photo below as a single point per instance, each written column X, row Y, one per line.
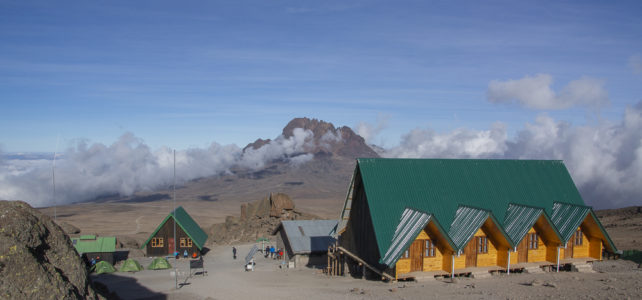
column 359, row 235
column 166, row 232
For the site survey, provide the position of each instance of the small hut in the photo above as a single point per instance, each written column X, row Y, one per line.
column 189, row 236
column 98, row 248
column 305, row 242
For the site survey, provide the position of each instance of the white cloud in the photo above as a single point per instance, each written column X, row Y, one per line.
column 635, row 62
column 458, row 143
column 536, row 93
column 368, row 131
column 86, row 171
column 604, row 160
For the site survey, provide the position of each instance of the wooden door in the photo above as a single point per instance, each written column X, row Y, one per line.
column 416, row 256
column 568, row 252
column 471, row 253
column 170, row 245
column 522, row 250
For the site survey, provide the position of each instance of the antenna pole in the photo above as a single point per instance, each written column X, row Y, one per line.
column 174, row 197
column 53, row 179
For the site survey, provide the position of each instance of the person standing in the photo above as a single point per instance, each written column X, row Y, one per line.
column 234, row 252
column 271, row 251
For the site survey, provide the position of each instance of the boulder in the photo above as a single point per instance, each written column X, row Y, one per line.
column 37, row 259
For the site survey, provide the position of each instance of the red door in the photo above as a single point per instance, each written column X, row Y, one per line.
column 170, row 246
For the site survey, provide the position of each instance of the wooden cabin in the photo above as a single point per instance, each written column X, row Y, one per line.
column 189, row 236
column 444, row 215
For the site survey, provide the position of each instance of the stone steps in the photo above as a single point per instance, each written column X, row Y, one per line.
column 533, row 270
column 582, row 267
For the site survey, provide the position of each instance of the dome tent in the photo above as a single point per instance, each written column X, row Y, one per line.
column 131, row 265
column 159, row 263
column 103, row 267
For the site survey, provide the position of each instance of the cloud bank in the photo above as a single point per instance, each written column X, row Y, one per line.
column 84, row 171
column 535, row 93
column 604, row 160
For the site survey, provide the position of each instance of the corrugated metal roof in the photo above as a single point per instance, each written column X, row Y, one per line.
column 306, row 236
column 567, row 217
column 250, row 254
column 185, row 221
column 98, row 244
column 440, row 186
column 410, row 224
column 466, row 222
column 519, row 220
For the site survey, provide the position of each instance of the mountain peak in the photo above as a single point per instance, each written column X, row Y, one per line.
column 326, row 139
column 340, row 141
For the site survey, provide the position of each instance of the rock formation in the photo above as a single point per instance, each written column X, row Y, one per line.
column 257, row 219
column 37, row 259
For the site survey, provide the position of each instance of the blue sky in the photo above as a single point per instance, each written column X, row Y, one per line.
column 185, row 74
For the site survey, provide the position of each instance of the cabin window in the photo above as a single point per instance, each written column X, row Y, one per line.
column 430, row 249
column 157, row 242
column 482, row 244
column 186, row 243
column 533, row 241
column 406, row 254
column 578, row 238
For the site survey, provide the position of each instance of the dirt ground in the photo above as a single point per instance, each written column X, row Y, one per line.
column 226, row 279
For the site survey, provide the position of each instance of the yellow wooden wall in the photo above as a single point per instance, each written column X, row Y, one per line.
column 403, row 266
column 583, row 250
column 551, row 253
column 432, row 263
column 502, row 258
column 460, row 261
column 595, row 248
column 539, row 254
column 490, row 258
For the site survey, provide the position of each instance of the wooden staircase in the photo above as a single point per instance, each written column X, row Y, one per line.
column 336, row 260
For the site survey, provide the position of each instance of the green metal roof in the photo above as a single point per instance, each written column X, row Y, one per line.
column 440, row 186
column 466, row 222
column 411, row 223
column 189, row 226
column 519, row 220
column 97, row 244
column 567, row 218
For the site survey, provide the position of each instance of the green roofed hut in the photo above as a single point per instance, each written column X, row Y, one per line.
column 189, row 236
column 95, row 247
column 446, row 216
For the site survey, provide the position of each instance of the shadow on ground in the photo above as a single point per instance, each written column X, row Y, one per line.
column 124, row 287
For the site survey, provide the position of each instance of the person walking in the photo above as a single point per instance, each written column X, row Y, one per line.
column 234, row 252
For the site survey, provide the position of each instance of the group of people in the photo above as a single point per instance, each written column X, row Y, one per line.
column 273, row 253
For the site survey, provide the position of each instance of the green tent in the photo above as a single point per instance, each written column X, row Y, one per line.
column 130, row 265
column 159, row 263
column 103, row 267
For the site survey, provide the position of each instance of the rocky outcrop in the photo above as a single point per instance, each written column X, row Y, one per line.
column 258, row 219
column 37, row 259
column 69, row 229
